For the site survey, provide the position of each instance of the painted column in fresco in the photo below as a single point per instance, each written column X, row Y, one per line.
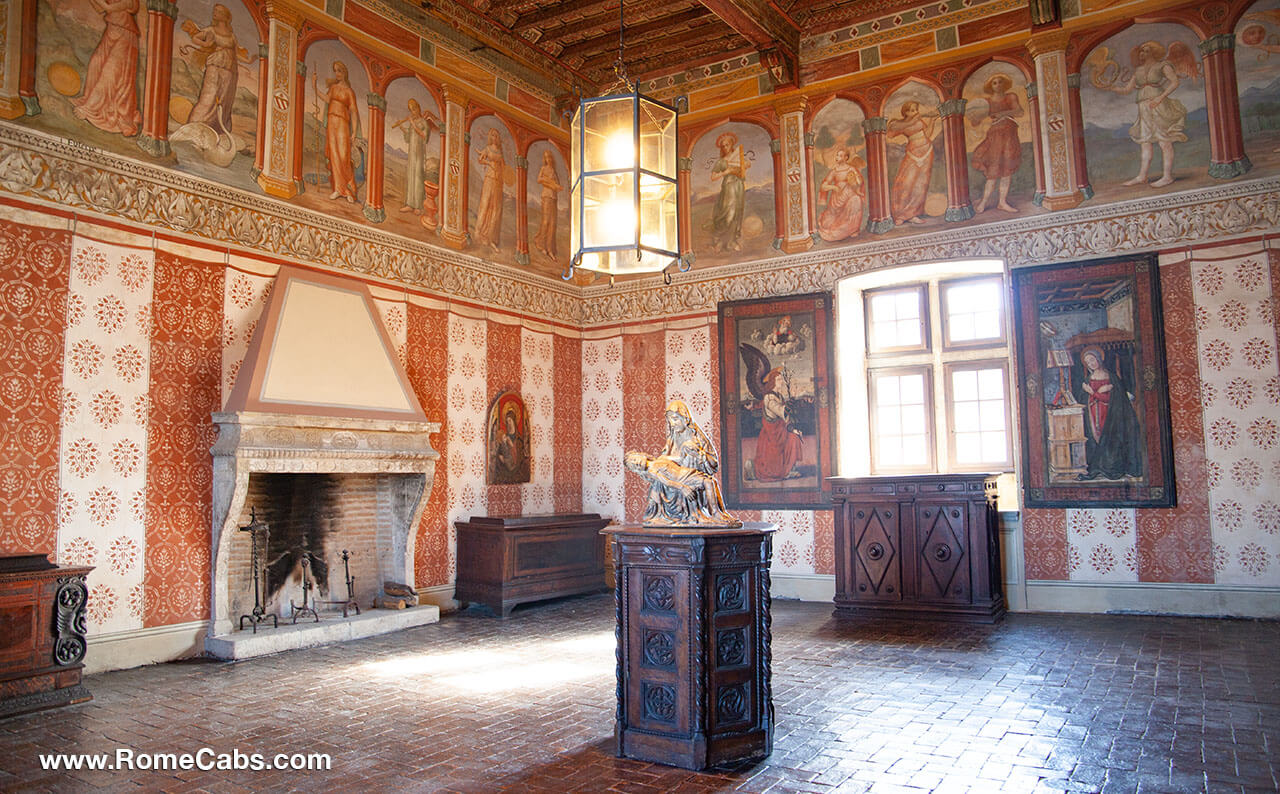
column 810, row 140
column 453, row 174
column 1077, row 123
column 522, row 209
column 684, row 205
column 879, row 218
column 1056, row 135
column 1226, row 139
column 373, row 209
column 795, row 224
column 1037, row 159
column 959, row 207
column 280, row 124
column 299, row 124
column 11, row 58
column 779, row 195
column 264, row 98
column 154, row 139
column 26, row 71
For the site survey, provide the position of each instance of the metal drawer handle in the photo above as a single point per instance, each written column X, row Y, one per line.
column 875, row 551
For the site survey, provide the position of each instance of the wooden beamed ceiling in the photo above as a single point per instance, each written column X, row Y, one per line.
column 661, row 37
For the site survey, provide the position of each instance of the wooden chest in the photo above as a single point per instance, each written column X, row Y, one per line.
column 42, row 634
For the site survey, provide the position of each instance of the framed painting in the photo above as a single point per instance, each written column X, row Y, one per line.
column 508, row 440
column 776, row 431
column 1095, row 399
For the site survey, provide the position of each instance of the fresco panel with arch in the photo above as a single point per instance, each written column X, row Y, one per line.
column 917, row 171
column 335, row 129
column 547, row 184
column 1146, row 125
column 732, row 201
column 839, row 172
column 1258, row 80
column 89, row 72
column 491, row 191
column 411, row 161
column 998, row 138
column 213, row 107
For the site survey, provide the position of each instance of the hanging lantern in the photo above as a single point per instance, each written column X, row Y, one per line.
column 623, row 200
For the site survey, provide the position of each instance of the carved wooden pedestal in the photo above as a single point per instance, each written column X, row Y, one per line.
column 42, row 626
column 693, row 644
column 918, row 546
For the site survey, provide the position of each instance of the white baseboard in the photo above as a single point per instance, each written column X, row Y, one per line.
column 136, row 647
column 1203, row 600
column 802, row 586
column 441, row 595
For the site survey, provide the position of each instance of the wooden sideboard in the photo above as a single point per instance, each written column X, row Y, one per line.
column 918, row 546
column 503, row 562
column 42, row 628
column 694, row 658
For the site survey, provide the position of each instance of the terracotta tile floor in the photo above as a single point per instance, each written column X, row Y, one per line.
column 1037, row 703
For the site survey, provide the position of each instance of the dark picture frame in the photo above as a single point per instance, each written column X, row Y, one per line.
column 1094, row 388
column 777, row 437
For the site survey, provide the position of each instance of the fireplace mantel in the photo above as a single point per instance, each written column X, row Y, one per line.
column 258, row 442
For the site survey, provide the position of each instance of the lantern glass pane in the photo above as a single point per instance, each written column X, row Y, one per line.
column 575, row 141
column 609, row 210
column 658, row 216
column 657, row 138
column 575, row 213
column 610, row 137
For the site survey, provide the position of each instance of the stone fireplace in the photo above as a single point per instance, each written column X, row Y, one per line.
column 322, row 438
column 323, row 484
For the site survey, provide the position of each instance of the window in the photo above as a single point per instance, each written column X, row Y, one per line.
column 923, row 368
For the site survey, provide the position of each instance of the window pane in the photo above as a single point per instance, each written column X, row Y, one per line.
column 889, row 420
column 887, row 391
column 994, row 447
column 973, row 310
column 906, row 333
column 966, row 417
column 890, row 452
column 991, row 384
column 964, row 384
column 915, row 450
column 992, row 415
column 968, row 448
column 912, row 389
column 986, row 325
column 907, row 305
column 913, row 419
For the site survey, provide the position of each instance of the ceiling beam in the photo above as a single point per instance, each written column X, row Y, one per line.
column 771, row 31
column 555, row 11
column 697, row 34
column 605, row 19
column 610, row 40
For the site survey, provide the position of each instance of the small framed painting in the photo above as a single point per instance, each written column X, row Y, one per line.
column 508, row 440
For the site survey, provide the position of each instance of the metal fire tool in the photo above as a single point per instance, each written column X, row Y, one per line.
column 258, row 529
column 350, row 603
column 306, row 608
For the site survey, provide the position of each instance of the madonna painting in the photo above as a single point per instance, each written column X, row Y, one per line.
column 508, row 440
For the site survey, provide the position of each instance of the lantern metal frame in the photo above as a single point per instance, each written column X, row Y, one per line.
column 642, row 179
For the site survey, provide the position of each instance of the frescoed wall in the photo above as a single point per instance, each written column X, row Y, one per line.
column 335, row 131
column 1257, row 60
column 732, row 200
column 1146, row 124
column 411, row 189
column 548, row 191
column 491, row 187
column 88, row 72
column 839, row 171
column 213, row 110
column 918, row 183
column 998, row 139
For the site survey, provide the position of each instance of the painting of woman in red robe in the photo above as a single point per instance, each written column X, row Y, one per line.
column 1113, row 447
column 778, row 447
column 110, row 98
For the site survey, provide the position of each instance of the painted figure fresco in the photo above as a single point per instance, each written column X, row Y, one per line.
column 214, row 83
column 1154, row 75
column 1257, row 58
column 341, row 129
column 914, row 125
column 492, row 190
column 110, row 97
column 838, row 170
column 548, row 208
column 998, row 155
column 733, row 215
column 411, row 157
